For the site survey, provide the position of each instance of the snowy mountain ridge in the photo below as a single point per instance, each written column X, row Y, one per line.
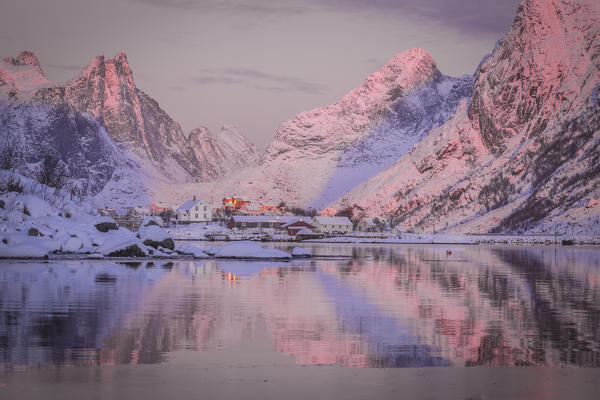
column 116, row 141
column 523, row 153
column 318, row 155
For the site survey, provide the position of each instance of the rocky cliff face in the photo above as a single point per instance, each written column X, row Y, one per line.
column 116, row 140
column 320, row 154
column 522, row 154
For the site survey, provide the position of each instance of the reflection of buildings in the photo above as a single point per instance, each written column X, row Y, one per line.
column 386, row 307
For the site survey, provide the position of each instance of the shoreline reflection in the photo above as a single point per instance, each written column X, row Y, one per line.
column 395, row 306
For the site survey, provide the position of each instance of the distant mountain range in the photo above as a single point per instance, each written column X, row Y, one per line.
column 117, row 142
column 513, row 148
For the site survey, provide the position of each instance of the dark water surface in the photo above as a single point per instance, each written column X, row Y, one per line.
column 372, row 307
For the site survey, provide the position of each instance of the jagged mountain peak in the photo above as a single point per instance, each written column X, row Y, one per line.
column 25, row 58
column 412, row 65
column 22, row 75
column 524, row 155
column 200, row 131
column 94, row 64
column 557, row 43
column 320, row 154
column 98, row 64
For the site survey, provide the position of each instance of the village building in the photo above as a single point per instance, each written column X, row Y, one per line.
column 232, row 203
column 243, row 222
column 299, row 224
column 157, row 209
column 247, row 209
column 307, row 233
column 139, row 211
column 367, row 225
column 108, row 212
column 268, row 209
column 193, row 211
column 332, row 224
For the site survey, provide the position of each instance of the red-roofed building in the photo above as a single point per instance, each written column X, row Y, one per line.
column 295, row 226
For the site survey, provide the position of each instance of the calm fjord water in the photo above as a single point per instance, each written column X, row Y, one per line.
column 373, row 306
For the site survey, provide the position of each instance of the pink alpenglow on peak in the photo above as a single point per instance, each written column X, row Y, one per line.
column 116, row 141
column 25, row 58
column 522, row 154
column 22, row 75
column 319, row 155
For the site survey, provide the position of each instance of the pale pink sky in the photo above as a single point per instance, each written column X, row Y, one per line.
column 252, row 63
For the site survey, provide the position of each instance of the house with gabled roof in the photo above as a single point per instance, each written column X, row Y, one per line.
column 332, row 224
column 299, row 224
column 367, row 225
column 194, row 210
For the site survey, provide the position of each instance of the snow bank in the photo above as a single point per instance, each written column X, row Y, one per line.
column 29, row 247
column 36, row 207
column 37, row 222
column 247, row 249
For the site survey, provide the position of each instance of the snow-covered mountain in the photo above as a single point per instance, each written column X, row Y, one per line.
column 116, row 141
column 223, row 153
column 318, row 155
column 523, row 153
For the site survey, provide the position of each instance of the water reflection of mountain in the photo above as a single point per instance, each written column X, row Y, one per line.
column 60, row 313
column 385, row 307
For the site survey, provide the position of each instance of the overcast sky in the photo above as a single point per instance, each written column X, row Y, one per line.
column 253, row 63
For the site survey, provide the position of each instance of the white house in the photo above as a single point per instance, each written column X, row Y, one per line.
column 332, row 224
column 194, row 211
column 367, row 225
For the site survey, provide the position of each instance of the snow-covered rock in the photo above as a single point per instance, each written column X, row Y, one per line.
column 124, row 247
column 299, row 252
column 71, row 245
column 211, row 251
column 152, row 220
column 190, row 249
column 154, row 236
column 31, row 227
column 249, row 250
